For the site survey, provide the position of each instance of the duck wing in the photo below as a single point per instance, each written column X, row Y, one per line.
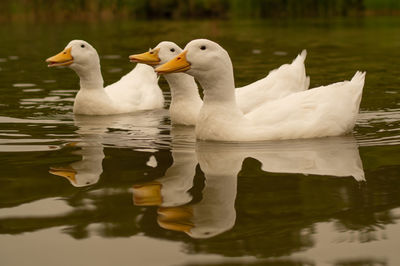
column 324, row 111
column 285, row 80
column 137, row 90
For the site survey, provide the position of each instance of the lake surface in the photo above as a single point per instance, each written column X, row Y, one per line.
column 132, row 190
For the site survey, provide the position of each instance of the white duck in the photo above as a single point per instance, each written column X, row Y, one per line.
column 137, row 90
column 186, row 102
column 323, row 111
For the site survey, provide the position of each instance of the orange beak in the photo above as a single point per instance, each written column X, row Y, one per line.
column 175, row 65
column 149, row 58
column 63, row 58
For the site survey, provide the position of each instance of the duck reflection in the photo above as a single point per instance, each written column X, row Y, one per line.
column 138, row 130
column 331, row 156
column 214, row 214
column 221, row 162
column 173, row 188
column 87, row 171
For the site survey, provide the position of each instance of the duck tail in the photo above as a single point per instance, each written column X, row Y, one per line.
column 299, row 62
column 359, row 78
column 357, row 83
column 301, row 57
column 303, row 54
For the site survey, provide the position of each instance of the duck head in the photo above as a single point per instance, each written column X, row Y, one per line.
column 78, row 54
column 210, row 64
column 159, row 55
column 200, row 57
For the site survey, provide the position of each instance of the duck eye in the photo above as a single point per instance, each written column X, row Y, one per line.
column 172, row 50
column 203, row 47
column 82, row 45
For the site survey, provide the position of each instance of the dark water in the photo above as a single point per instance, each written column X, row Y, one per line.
column 137, row 192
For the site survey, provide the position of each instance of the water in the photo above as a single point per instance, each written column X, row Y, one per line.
column 129, row 189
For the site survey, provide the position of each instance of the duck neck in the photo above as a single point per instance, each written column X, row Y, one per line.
column 183, row 88
column 219, row 88
column 90, row 77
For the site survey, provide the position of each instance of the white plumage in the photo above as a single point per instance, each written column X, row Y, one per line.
column 137, row 90
column 324, row 111
column 185, row 99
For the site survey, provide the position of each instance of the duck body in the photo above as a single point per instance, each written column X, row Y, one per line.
column 320, row 112
column 138, row 90
column 186, row 101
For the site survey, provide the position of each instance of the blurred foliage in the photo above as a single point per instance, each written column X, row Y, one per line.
column 55, row 10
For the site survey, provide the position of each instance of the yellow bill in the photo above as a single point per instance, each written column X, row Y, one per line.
column 149, row 58
column 63, row 58
column 175, row 65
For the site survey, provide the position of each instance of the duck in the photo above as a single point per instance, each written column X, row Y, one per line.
column 136, row 91
column 319, row 112
column 185, row 98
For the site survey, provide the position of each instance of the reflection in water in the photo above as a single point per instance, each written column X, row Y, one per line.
column 221, row 162
column 95, row 132
column 333, row 156
column 173, row 188
column 87, row 171
column 215, row 213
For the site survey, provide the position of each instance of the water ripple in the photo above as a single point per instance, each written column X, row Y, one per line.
column 376, row 128
column 27, row 148
column 5, row 119
column 32, row 90
column 23, row 85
